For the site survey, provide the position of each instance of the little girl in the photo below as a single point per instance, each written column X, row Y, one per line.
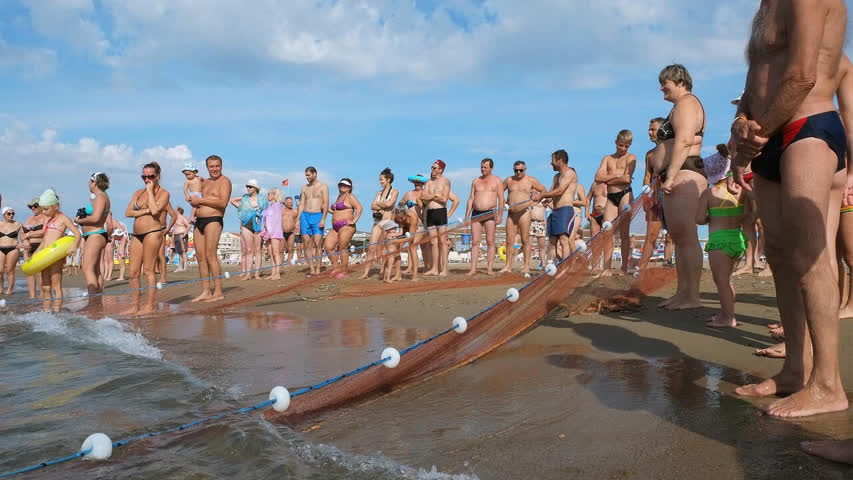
column 192, row 186
column 724, row 213
column 55, row 225
column 394, row 237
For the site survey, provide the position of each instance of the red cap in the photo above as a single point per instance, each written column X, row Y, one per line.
column 441, row 164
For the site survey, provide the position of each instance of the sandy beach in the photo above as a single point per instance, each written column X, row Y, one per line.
column 634, row 393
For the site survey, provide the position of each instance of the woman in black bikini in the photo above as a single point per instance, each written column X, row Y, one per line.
column 678, row 162
column 383, row 208
column 33, row 233
column 93, row 219
column 11, row 235
column 145, row 208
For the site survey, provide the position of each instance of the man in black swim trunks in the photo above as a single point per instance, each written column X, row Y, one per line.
column 208, row 227
column 787, row 126
column 435, row 195
column 485, row 211
column 616, row 171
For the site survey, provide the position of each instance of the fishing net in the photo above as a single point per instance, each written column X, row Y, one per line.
column 486, row 331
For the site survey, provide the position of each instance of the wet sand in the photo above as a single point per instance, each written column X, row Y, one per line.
column 640, row 393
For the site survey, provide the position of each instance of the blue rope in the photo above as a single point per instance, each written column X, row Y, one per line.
column 296, row 393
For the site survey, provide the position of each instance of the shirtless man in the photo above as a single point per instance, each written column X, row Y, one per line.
column 313, row 207
column 435, row 195
column 652, row 205
column 561, row 195
column 485, row 210
column 518, row 190
column 538, row 230
column 162, row 260
column 788, row 128
column 208, row 227
column 180, row 232
column 616, row 171
column 288, row 225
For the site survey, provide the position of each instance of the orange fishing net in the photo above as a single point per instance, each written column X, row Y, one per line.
column 486, row 332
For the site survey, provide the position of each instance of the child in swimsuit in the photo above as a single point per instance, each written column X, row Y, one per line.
column 724, row 213
column 55, row 226
column 192, row 186
column 394, row 237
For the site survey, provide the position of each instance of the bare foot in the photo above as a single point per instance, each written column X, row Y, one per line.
column 716, row 322
column 744, row 270
column 203, row 297
column 471, row 272
column 606, row 273
column 505, row 270
column 387, row 280
column 526, row 270
column 215, row 298
column 274, row 277
column 836, row 450
column 443, row 274
column 765, row 273
column 431, row 272
column 245, row 277
column 778, row 334
column 490, row 273
column 782, row 383
column 811, row 400
column 774, row 325
column 686, row 305
column 130, row 312
column 776, row 351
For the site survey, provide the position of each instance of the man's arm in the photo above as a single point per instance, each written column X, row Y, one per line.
column 469, row 207
column 444, row 192
column 218, row 198
column 804, row 22
column 647, row 176
column 454, row 205
column 301, row 202
column 560, row 187
column 537, row 185
column 173, row 214
column 601, row 175
column 628, row 176
column 500, row 197
column 324, row 191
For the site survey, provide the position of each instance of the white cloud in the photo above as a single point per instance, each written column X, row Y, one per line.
column 29, row 61
column 561, row 43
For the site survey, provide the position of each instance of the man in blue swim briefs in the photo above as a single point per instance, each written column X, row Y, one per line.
column 788, row 127
column 561, row 196
column 313, row 207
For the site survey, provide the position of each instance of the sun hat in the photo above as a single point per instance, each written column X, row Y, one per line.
column 736, row 101
column 716, row 167
column 33, row 203
column 390, row 225
column 7, row 209
column 189, row 167
column 418, row 178
column 253, row 182
column 346, row 182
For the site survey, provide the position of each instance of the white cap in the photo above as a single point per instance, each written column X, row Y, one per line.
column 6, row 209
column 390, row 225
column 346, row 182
column 253, row 182
column 189, row 166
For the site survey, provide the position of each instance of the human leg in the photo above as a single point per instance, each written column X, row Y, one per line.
column 200, row 241
column 511, row 230
column 625, row 233
column 653, row 227
column 680, row 207
column 245, row 252
column 211, row 243
column 92, row 250
column 443, row 251
column 748, row 226
column 524, row 233
column 476, row 231
column 808, row 170
column 611, row 211
column 490, row 228
column 721, row 270
column 371, row 256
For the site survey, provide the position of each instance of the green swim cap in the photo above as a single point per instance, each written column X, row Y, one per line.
column 48, row 198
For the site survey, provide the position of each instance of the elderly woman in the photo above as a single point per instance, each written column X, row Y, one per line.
column 678, row 162
column 145, row 208
column 11, row 238
column 93, row 220
column 272, row 231
column 345, row 213
column 33, row 233
column 250, row 209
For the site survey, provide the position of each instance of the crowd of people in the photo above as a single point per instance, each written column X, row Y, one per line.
column 783, row 173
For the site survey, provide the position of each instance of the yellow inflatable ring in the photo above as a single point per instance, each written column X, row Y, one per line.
column 502, row 253
column 48, row 255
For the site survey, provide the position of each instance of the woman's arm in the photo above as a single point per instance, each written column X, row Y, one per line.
column 685, row 125
column 99, row 205
column 130, row 212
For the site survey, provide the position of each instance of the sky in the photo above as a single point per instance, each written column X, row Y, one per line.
column 350, row 87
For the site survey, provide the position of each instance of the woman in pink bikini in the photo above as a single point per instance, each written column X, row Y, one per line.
column 345, row 213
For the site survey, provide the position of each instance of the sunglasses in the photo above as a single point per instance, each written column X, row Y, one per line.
column 11, row 214
column 518, row 170
column 148, row 177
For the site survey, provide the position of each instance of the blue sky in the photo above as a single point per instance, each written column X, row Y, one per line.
column 347, row 86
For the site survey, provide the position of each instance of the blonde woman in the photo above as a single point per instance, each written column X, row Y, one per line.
column 272, row 231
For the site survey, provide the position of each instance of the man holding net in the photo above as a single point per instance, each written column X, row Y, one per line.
column 561, row 196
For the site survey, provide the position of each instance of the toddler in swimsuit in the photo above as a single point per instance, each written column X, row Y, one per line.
column 192, row 186
column 724, row 213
